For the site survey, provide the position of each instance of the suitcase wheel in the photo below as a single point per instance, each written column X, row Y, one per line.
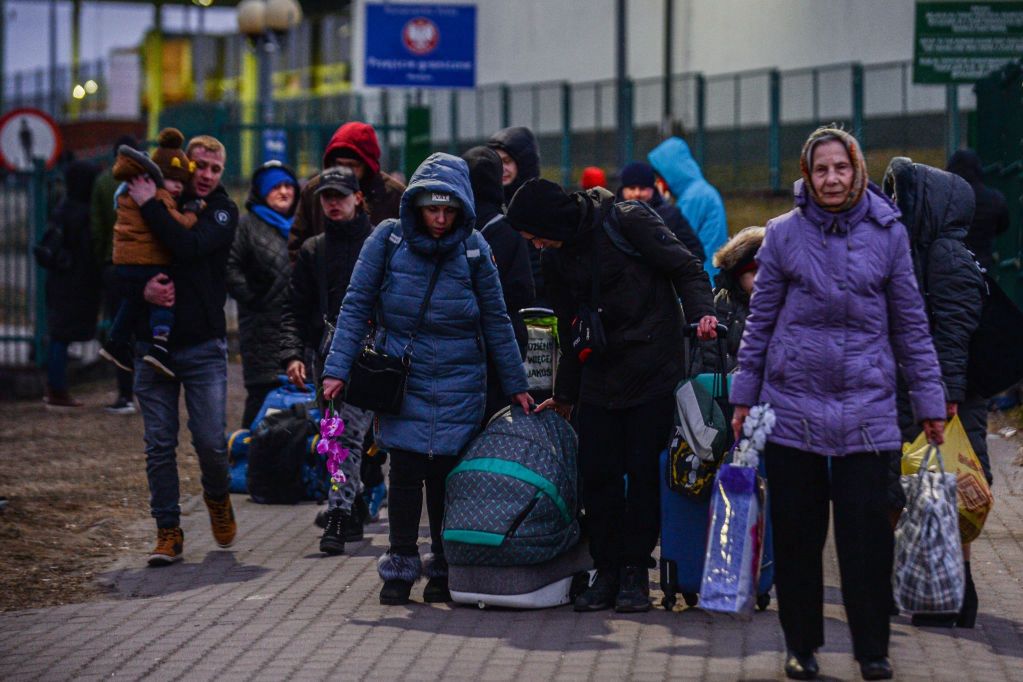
column 691, row 598
column 763, row 601
column 668, row 603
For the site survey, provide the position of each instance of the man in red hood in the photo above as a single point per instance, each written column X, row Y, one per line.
column 353, row 145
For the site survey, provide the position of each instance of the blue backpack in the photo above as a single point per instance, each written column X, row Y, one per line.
column 315, row 481
column 513, row 498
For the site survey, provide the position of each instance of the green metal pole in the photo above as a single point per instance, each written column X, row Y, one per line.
column 857, row 103
column 38, row 225
column 505, row 105
column 667, row 111
column 774, row 134
column 701, row 119
column 627, row 120
column 453, row 119
column 566, row 134
column 952, row 124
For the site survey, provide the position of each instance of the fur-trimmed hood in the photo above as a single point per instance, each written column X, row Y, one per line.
column 741, row 247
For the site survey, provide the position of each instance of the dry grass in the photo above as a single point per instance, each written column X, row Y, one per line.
column 77, row 495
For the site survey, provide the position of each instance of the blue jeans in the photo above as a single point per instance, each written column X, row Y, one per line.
column 202, row 370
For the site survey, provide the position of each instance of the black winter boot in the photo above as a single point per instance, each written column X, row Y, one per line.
column 801, row 666
column 968, row 614
column 601, row 593
column 633, row 591
column 353, row 525
column 333, row 539
column 435, row 567
column 399, row 572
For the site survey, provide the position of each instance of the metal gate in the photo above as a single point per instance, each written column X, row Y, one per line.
column 24, row 200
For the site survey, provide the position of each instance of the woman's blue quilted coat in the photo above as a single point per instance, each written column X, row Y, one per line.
column 465, row 318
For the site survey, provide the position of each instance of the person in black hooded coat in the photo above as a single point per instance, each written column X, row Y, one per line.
column 511, row 252
column 991, row 214
column 937, row 208
column 72, row 292
column 520, row 160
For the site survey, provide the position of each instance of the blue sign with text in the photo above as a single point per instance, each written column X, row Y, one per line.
column 420, row 46
column 275, row 145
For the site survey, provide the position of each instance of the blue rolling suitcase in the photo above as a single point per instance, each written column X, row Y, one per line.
column 684, row 521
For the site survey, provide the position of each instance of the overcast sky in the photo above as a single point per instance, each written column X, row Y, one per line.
column 104, row 26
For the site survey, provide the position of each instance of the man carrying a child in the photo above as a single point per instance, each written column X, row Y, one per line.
column 196, row 359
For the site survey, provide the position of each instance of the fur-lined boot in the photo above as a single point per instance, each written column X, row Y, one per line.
column 435, row 568
column 398, row 572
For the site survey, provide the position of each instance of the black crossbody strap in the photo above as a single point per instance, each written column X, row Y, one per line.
column 422, row 308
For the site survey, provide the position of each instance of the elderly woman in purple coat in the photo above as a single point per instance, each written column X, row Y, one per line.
column 835, row 311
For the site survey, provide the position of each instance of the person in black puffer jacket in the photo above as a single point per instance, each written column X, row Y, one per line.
column 510, row 251
column 520, row 160
column 937, row 209
column 318, row 284
column 625, row 391
column 257, row 277
column 991, row 214
column 73, row 289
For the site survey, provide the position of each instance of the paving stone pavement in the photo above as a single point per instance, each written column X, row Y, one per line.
column 273, row 608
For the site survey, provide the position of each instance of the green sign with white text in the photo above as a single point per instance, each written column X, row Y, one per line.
column 960, row 42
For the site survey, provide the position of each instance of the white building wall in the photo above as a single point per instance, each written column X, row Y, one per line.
column 522, row 41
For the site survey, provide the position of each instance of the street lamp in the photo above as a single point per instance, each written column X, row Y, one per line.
column 264, row 23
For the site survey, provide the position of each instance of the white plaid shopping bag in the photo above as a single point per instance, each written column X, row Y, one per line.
column 928, row 573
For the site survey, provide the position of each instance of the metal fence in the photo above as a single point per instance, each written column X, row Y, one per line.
column 745, row 128
column 24, row 204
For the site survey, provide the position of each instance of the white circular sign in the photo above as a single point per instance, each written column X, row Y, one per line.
column 26, row 135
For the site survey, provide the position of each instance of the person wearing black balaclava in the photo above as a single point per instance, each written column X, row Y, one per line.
column 511, row 253
column 624, row 390
column 520, row 162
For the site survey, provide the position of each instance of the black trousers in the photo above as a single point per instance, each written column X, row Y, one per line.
column 255, row 394
column 623, row 525
column 410, row 471
column 802, row 487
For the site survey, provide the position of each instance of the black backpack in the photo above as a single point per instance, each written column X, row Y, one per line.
column 278, row 451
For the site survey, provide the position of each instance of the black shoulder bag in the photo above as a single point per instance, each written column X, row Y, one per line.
column 377, row 381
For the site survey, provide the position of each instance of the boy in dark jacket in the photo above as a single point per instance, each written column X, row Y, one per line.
column 520, row 162
column 638, row 184
column 510, row 251
column 355, row 146
column 624, row 390
column 937, row 209
column 319, row 281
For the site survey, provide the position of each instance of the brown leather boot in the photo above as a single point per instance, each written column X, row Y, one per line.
column 221, row 519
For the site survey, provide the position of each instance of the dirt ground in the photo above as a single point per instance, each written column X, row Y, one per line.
column 77, row 495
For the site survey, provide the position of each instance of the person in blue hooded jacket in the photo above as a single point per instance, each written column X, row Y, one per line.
column 464, row 320
column 679, row 174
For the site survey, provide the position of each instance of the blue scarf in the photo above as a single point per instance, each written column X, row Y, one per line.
column 272, row 217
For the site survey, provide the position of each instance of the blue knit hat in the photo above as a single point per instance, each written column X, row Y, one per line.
column 638, row 174
column 270, row 178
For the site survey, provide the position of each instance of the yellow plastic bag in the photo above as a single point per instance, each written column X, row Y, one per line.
column 973, row 496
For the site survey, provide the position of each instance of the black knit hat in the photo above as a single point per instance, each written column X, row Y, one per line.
column 638, row 174
column 541, row 208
